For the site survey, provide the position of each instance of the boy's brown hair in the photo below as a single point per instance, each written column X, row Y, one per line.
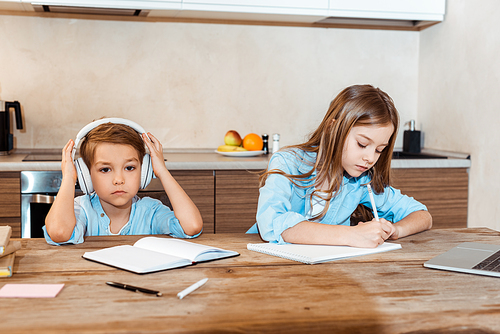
column 114, row 134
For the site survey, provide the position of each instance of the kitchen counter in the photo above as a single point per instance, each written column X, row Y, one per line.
column 207, row 159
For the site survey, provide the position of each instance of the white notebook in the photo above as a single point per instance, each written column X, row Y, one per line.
column 312, row 254
column 151, row 254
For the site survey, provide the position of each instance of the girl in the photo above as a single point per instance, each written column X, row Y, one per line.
column 310, row 190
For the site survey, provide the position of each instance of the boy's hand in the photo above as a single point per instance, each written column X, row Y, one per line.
column 67, row 166
column 156, row 152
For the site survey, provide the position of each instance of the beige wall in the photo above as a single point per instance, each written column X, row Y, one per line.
column 190, row 83
column 459, row 98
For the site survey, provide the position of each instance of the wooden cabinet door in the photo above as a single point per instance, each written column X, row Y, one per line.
column 443, row 190
column 236, row 196
column 199, row 185
column 10, row 201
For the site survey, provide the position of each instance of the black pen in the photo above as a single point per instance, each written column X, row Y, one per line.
column 134, row 288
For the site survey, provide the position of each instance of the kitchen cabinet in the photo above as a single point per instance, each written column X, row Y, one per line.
column 227, row 199
column 236, row 196
column 10, row 201
column 372, row 14
column 199, row 185
column 294, row 7
column 426, row 10
column 118, row 4
column 443, row 190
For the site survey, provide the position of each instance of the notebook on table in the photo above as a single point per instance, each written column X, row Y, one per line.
column 312, row 254
column 469, row 257
column 151, row 254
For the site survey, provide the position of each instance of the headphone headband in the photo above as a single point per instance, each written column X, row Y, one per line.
column 82, row 170
column 89, row 127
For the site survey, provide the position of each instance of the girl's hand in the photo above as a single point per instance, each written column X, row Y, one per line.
column 397, row 233
column 373, row 233
column 67, row 165
column 156, row 152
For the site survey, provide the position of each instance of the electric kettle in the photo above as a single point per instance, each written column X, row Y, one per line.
column 6, row 138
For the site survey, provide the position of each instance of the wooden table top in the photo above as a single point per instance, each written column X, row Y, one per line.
column 380, row 293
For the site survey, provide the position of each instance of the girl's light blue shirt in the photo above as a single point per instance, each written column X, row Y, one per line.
column 147, row 216
column 283, row 205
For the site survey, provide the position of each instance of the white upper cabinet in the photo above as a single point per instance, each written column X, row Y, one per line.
column 294, row 7
column 409, row 14
column 425, row 10
column 118, row 4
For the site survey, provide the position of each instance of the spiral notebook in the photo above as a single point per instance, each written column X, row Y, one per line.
column 312, row 254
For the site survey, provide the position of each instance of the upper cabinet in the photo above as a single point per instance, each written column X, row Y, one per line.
column 376, row 14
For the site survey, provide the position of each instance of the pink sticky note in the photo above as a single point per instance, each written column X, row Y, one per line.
column 30, row 290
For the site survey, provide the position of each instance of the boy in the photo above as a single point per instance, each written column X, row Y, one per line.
column 114, row 153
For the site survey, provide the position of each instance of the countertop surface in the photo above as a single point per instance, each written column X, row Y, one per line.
column 203, row 159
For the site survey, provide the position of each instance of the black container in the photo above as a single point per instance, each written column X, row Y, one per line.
column 411, row 141
column 265, row 139
column 6, row 138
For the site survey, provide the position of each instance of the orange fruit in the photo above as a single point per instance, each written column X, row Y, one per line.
column 253, row 142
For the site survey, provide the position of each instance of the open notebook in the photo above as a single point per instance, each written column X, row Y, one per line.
column 312, row 254
column 151, row 254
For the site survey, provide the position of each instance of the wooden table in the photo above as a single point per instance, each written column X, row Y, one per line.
column 380, row 293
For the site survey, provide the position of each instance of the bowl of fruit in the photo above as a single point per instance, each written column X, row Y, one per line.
column 234, row 146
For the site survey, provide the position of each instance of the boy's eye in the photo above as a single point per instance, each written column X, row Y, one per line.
column 104, row 169
column 129, row 168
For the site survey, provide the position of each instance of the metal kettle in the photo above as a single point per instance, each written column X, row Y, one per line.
column 6, row 138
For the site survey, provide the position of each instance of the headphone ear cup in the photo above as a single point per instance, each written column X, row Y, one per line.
column 84, row 176
column 146, row 171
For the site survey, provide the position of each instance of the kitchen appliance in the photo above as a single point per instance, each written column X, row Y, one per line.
column 39, row 190
column 411, row 139
column 6, row 138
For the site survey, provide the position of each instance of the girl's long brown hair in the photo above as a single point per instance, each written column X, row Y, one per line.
column 356, row 105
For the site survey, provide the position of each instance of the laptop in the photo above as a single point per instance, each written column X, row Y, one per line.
column 469, row 257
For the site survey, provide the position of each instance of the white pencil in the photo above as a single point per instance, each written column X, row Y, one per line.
column 193, row 287
column 374, row 207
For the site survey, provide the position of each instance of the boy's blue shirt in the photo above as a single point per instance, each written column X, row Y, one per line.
column 283, row 205
column 147, row 216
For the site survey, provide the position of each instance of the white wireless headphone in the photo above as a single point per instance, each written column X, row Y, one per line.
column 83, row 171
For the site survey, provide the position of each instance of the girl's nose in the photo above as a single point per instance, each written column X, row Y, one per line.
column 370, row 157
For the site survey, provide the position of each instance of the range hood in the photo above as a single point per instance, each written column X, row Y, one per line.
column 89, row 10
column 103, row 7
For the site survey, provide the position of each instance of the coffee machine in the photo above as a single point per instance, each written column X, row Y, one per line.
column 6, row 138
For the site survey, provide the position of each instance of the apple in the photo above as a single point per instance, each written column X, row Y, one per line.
column 232, row 138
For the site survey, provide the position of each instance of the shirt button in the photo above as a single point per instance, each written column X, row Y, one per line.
column 102, row 214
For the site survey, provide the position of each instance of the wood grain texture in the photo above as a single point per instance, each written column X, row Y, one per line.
column 380, row 293
column 10, row 195
column 236, row 197
column 199, row 185
column 15, row 224
column 443, row 190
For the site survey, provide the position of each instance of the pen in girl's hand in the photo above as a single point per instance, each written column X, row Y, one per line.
column 133, row 288
column 372, row 200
